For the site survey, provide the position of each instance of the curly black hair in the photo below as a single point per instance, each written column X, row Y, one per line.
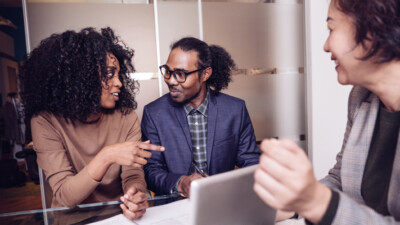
column 212, row 56
column 63, row 74
column 377, row 22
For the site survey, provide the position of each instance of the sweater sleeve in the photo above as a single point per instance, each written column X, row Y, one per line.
column 133, row 176
column 69, row 187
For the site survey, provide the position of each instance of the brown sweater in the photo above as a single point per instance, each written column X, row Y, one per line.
column 64, row 149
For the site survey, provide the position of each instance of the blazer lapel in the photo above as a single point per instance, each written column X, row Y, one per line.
column 211, row 124
column 181, row 117
column 357, row 148
column 393, row 195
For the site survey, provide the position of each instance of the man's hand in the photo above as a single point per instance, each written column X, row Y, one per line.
column 134, row 204
column 184, row 183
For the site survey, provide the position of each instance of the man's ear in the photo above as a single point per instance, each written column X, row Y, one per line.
column 206, row 74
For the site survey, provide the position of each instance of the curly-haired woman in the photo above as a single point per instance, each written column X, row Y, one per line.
column 86, row 134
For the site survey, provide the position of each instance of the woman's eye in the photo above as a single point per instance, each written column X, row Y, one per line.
column 110, row 74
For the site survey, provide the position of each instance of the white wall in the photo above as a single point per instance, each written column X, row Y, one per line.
column 327, row 99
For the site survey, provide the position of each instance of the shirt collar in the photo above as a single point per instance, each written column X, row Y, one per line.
column 203, row 107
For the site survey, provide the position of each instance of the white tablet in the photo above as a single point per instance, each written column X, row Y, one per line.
column 228, row 198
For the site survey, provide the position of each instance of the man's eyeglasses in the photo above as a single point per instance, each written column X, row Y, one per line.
column 179, row 75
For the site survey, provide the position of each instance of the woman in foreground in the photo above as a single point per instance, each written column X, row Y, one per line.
column 363, row 187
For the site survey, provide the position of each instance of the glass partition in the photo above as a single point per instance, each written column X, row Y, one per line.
column 267, row 46
column 176, row 19
column 265, row 38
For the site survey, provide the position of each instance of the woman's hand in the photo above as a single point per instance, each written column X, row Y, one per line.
column 285, row 180
column 282, row 215
column 134, row 204
column 130, row 153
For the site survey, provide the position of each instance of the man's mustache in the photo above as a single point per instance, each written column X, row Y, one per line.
column 173, row 88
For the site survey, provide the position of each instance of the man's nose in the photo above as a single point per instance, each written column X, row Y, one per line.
column 171, row 80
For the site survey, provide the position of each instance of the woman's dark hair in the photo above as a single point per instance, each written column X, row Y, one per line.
column 64, row 74
column 212, row 56
column 377, row 22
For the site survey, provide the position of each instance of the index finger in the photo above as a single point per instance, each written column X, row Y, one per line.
column 279, row 153
column 292, row 146
column 196, row 176
column 151, row 147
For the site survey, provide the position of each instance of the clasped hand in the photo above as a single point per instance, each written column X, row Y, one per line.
column 134, row 204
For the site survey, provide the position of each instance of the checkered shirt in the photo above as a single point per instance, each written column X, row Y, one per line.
column 197, row 119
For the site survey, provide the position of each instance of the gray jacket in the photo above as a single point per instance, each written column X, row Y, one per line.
column 346, row 175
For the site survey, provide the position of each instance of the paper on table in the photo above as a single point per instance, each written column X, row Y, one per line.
column 118, row 219
column 175, row 213
column 292, row 222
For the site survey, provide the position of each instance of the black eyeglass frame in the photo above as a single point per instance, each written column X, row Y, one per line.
column 169, row 72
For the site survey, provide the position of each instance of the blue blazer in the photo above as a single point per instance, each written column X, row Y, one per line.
column 230, row 139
